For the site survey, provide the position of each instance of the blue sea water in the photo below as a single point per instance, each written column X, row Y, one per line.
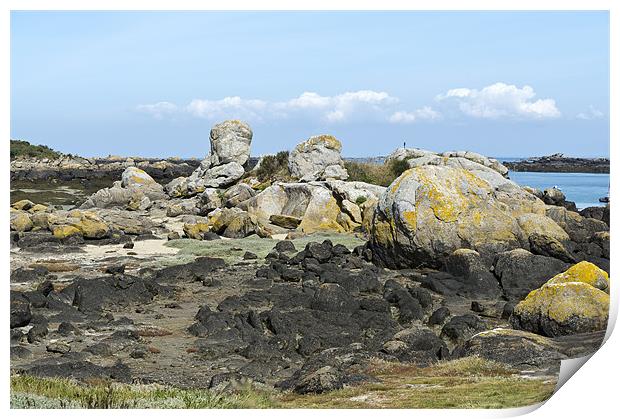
column 583, row 188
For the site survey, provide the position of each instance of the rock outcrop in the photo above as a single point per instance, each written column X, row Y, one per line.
column 318, row 158
column 576, row 301
column 416, row 157
column 430, row 211
column 230, row 150
column 136, row 190
column 314, row 206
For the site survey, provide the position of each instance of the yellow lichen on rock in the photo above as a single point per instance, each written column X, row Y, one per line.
column 571, row 302
column 20, row 221
column 560, row 302
column 63, row 231
column 195, row 231
column 37, row 208
column 585, row 272
column 23, row 205
column 540, row 224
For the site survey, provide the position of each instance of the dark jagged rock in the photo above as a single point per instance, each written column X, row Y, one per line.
column 96, row 294
column 20, row 310
column 439, row 316
column 460, row 328
column 527, row 351
column 519, row 272
column 81, row 370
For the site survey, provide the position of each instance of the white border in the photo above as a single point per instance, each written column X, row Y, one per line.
column 591, row 393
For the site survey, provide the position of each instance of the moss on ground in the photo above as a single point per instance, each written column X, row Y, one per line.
column 232, row 250
column 465, row 383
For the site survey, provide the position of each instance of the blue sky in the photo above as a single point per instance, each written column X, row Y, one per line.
column 153, row 83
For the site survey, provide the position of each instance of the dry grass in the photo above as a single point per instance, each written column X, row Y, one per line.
column 377, row 174
column 465, row 383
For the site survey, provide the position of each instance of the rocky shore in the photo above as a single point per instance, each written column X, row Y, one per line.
column 561, row 164
column 220, row 278
column 68, row 168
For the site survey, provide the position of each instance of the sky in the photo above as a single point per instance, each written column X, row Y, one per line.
column 505, row 84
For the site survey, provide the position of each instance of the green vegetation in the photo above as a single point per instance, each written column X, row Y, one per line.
column 377, row 174
column 56, row 393
column 464, row 383
column 360, row 200
column 274, row 167
column 467, row 383
column 21, row 148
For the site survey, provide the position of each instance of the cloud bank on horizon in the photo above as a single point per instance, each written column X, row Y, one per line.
column 496, row 101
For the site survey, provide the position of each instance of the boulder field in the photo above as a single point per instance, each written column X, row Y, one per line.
column 457, row 260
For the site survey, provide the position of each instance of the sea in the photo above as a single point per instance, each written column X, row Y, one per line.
column 584, row 189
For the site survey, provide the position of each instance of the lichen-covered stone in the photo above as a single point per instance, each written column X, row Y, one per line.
column 317, row 158
column 585, row 272
column 63, row 231
column 20, row 221
column 430, row 211
column 571, row 302
column 230, row 142
column 132, row 176
column 195, row 230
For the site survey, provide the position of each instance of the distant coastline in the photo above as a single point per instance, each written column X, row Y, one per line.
column 559, row 163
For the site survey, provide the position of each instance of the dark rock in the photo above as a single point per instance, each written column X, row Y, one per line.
column 195, row 271
column 285, row 246
column 100, row 349
column 477, row 307
column 115, row 269
column 37, row 333
column 319, row 251
column 130, row 245
column 45, row 287
column 332, row 297
column 209, row 235
column 67, row 328
column 118, row 291
column 20, row 310
column 548, row 246
column 37, row 299
column 419, row 345
column 520, row 272
column 409, row 308
column 249, row 256
column 439, row 316
column 477, row 280
column 598, row 213
column 58, row 347
column 460, row 328
column 20, row 352
column 81, row 370
column 526, row 351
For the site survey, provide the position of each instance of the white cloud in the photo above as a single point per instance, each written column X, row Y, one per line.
column 496, row 101
column 403, row 117
column 159, row 109
column 500, row 100
column 338, row 108
column 240, row 108
column 591, row 113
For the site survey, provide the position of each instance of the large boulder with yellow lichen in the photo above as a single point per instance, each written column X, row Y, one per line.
column 317, row 158
column 313, row 203
column 575, row 301
column 136, row 190
column 430, row 211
